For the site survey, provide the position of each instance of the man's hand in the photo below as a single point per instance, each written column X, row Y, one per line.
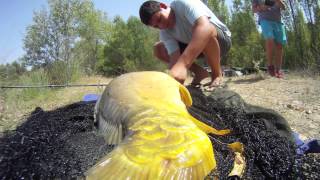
column 179, row 72
column 263, row 7
column 281, row 4
column 260, row 8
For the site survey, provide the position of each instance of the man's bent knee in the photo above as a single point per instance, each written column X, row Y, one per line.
column 160, row 52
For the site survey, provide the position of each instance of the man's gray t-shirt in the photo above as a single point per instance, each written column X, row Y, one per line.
column 186, row 14
column 273, row 14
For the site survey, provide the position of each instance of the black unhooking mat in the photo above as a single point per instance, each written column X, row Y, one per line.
column 63, row 143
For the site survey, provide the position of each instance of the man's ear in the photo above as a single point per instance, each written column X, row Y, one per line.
column 163, row 6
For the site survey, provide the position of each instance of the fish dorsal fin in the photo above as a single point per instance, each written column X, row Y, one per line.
column 185, row 95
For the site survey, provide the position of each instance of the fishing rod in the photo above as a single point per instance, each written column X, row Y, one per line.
column 52, row 86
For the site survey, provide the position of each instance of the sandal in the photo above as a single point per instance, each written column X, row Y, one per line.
column 279, row 74
column 271, row 70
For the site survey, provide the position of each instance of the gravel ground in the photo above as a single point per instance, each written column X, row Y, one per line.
column 295, row 97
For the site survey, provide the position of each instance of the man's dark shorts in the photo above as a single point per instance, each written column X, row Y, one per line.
column 223, row 39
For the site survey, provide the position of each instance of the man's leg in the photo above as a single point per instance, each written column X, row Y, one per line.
column 278, row 59
column 269, row 54
column 280, row 40
column 212, row 52
column 268, row 34
column 199, row 74
column 161, row 53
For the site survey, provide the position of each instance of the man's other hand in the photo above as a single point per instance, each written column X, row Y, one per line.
column 281, row 4
column 179, row 72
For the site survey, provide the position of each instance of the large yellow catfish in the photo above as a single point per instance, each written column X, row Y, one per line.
column 145, row 114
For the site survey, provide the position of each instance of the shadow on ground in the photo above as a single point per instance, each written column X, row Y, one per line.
column 254, row 79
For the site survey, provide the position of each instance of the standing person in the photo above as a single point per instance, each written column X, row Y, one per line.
column 273, row 31
column 188, row 28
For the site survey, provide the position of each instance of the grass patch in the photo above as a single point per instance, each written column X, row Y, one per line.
column 17, row 103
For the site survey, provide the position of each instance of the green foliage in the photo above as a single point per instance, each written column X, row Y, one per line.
column 129, row 48
column 247, row 44
column 302, row 51
column 9, row 73
column 246, row 54
column 92, row 29
column 315, row 36
column 220, row 9
column 300, row 42
column 61, row 72
column 39, row 50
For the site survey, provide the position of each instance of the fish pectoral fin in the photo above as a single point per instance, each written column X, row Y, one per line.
column 185, row 95
column 208, row 129
column 112, row 132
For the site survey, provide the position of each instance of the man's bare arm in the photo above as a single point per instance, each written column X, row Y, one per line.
column 281, row 4
column 201, row 32
column 255, row 8
column 174, row 58
column 259, row 7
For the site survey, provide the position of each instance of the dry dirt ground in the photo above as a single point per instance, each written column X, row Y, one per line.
column 295, row 97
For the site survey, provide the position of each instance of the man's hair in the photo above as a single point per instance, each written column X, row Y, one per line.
column 147, row 9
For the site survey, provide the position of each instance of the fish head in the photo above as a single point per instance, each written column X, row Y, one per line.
column 149, row 88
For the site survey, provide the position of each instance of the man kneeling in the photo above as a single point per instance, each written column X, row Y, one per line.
column 188, row 28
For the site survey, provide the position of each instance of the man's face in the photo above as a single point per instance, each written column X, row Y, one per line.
column 162, row 19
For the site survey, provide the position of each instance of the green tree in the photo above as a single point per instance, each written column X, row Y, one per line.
column 141, row 45
column 220, row 9
column 247, row 45
column 299, row 48
column 316, row 36
column 37, row 43
column 115, row 49
column 9, row 73
column 93, row 28
column 52, row 34
column 129, row 48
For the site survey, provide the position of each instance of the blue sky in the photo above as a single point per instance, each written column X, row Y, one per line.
column 16, row 15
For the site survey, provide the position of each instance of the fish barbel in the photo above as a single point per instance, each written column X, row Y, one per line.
column 145, row 115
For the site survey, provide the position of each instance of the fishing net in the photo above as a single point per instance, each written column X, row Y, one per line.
column 63, row 143
column 266, row 136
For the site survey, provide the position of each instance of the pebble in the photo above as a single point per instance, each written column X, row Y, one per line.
column 309, row 112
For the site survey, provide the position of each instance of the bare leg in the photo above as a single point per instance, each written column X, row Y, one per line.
column 212, row 52
column 199, row 74
column 161, row 53
column 269, row 51
column 278, row 62
column 278, row 56
column 269, row 54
